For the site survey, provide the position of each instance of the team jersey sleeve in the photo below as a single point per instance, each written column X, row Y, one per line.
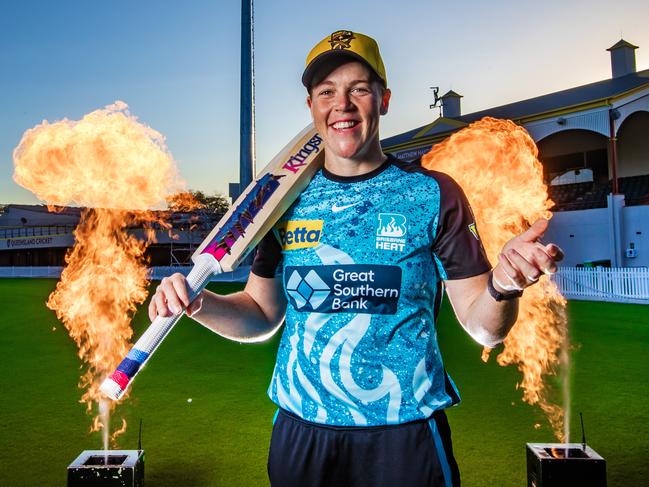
column 457, row 249
column 268, row 258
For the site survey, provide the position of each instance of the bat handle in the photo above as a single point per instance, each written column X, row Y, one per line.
column 114, row 386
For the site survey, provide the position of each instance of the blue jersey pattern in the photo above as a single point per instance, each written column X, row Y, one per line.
column 359, row 347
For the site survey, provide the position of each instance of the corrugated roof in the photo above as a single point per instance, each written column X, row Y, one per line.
column 572, row 97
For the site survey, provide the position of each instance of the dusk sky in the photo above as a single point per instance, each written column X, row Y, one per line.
column 176, row 64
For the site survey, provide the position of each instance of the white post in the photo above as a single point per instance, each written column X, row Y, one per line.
column 615, row 206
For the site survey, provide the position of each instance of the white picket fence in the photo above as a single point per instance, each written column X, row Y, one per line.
column 618, row 285
column 156, row 273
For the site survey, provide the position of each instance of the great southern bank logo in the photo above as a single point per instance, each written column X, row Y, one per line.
column 354, row 288
column 311, row 289
column 391, row 231
column 299, row 234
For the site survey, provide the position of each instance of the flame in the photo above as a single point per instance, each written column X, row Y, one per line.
column 392, row 229
column 105, row 160
column 558, row 453
column 496, row 163
column 183, row 201
column 119, row 168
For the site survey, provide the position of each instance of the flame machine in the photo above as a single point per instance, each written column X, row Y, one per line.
column 107, row 468
column 564, row 465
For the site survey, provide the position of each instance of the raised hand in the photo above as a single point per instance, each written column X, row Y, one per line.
column 524, row 259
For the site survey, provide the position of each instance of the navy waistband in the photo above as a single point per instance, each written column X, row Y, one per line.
column 381, row 427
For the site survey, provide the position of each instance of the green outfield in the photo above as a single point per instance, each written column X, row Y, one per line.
column 220, row 438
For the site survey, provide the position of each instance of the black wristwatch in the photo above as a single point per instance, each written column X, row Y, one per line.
column 497, row 295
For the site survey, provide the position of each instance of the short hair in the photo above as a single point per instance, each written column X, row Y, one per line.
column 329, row 66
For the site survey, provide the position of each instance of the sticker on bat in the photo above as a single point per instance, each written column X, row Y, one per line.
column 299, row 159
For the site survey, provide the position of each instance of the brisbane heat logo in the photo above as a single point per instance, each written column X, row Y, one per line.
column 391, row 231
column 341, row 39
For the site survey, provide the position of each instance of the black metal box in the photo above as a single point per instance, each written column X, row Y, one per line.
column 564, row 465
column 107, row 468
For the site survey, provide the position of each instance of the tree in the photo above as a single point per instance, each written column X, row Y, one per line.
column 197, row 201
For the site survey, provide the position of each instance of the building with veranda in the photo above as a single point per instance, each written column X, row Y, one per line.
column 593, row 142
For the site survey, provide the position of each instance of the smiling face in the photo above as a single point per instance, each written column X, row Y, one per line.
column 346, row 105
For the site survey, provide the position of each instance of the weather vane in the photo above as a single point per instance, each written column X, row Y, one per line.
column 436, row 100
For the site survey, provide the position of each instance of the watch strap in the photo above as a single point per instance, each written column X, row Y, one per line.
column 497, row 295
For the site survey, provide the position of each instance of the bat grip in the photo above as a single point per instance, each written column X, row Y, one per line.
column 114, row 386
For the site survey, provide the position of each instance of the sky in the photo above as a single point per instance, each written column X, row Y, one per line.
column 176, row 64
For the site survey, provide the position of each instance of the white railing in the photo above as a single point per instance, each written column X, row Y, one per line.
column 618, row 285
column 40, row 271
column 155, row 273
column 37, row 231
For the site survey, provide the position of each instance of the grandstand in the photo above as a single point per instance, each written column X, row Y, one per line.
column 33, row 235
column 584, row 196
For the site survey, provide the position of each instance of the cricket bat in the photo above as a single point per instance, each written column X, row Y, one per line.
column 250, row 217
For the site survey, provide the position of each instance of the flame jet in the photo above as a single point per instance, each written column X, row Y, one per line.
column 495, row 162
column 118, row 169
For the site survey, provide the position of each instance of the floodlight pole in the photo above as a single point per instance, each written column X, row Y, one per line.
column 247, row 170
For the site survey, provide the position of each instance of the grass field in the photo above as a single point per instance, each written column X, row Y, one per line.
column 221, row 437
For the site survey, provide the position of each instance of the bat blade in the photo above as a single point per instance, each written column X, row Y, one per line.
column 264, row 200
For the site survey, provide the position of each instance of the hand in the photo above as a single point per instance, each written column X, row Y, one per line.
column 171, row 297
column 523, row 259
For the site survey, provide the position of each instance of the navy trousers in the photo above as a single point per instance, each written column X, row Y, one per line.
column 416, row 454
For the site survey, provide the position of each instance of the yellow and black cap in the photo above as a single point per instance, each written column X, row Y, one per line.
column 344, row 43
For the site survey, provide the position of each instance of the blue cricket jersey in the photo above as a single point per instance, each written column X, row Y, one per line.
column 362, row 260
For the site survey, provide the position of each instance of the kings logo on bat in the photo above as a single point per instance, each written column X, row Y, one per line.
column 299, row 159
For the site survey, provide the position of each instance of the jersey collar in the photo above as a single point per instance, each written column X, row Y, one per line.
column 361, row 177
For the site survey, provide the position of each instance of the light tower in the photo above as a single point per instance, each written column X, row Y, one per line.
column 247, row 169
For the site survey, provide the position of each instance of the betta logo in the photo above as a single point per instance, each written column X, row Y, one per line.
column 341, row 39
column 299, row 160
column 299, row 234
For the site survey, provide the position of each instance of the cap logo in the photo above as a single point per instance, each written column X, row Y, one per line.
column 341, row 39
